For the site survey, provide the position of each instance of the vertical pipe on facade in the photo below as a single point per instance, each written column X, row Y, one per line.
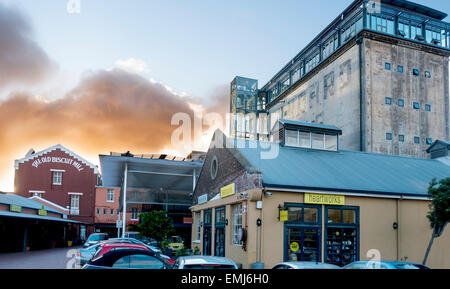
column 124, row 200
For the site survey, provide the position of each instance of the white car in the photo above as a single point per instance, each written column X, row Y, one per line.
column 305, row 265
column 204, row 262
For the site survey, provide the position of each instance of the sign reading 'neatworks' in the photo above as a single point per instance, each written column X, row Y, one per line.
column 324, row 199
column 59, row 160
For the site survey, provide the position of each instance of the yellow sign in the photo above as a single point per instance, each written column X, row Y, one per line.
column 42, row 212
column 324, row 199
column 294, row 246
column 283, row 216
column 227, row 191
column 15, row 208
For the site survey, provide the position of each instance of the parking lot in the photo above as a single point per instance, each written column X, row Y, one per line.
column 60, row 258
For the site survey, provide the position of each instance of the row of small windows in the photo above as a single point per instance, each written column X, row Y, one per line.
column 401, row 103
column 401, row 138
column 107, row 211
column 415, row 71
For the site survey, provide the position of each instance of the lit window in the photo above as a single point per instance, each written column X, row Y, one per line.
column 401, row 103
column 57, row 178
column 110, row 195
column 400, row 69
column 416, row 105
column 428, row 107
column 237, row 224
column 387, row 66
column 134, row 214
column 417, row 140
column 388, row 136
column 429, row 141
column 401, row 138
column 388, row 101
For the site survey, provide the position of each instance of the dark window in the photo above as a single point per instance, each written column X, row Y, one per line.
column 401, row 138
column 429, row 141
column 428, row 107
column 145, row 262
column 416, row 72
column 388, row 136
column 416, row 105
column 400, row 69
column 427, row 74
column 401, row 103
column 388, row 101
column 417, row 140
column 387, row 66
column 104, row 211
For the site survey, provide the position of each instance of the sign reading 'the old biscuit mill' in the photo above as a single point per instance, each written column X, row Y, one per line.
column 324, row 199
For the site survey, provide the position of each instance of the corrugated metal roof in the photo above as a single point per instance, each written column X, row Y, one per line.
column 343, row 170
column 12, row 199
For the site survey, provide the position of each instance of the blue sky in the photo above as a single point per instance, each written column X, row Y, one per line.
column 191, row 46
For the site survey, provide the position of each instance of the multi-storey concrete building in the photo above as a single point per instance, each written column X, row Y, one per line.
column 379, row 71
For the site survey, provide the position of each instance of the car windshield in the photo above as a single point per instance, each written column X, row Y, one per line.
column 96, row 237
column 208, row 266
column 175, row 240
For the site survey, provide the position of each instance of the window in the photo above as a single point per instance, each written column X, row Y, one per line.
column 57, row 178
column 388, row 101
column 134, row 214
column 401, row 138
column 403, row 28
column 429, row 141
column 285, row 84
column 416, row 72
column 199, row 225
column 427, row 74
column 111, row 212
column 401, row 103
column 104, row 211
column 291, row 137
column 75, row 204
column 295, row 75
column 416, row 105
column 318, row 141
column 98, row 211
column 388, row 136
column 110, row 196
column 417, row 140
column 304, row 139
column 387, row 66
column 400, row 69
column 334, row 216
column 145, row 262
column 237, row 224
column 331, row 142
column 118, row 212
column 428, row 107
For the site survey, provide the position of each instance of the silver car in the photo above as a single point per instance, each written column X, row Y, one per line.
column 204, row 262
column 305, row 265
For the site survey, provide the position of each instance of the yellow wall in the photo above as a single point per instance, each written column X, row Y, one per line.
column 377, row 216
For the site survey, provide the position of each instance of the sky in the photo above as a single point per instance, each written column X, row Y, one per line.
column 110, row 77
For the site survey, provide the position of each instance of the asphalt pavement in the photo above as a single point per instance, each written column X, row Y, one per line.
column 59, row 258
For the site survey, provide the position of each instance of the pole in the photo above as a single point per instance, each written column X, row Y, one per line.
column 124, row 200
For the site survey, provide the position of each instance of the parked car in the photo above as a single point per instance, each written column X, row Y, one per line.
column 204, row 262
column 305, row 265
column 175, row 243
column 106, row 247
column 95, row 238
column 86, row 254
column 128, row 258
column 138, row 236
column 384, row 265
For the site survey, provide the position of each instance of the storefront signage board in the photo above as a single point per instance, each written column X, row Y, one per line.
column 15, row 208
column 42, row 212
column 227, row 191
column 202, row 199
column 324, row 199
column 283, row 216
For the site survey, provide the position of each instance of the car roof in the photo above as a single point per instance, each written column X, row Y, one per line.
column 111, row 256
column 125, row 245
column 309, row 265
column 193, row 260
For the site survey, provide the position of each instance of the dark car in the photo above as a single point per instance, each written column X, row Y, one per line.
column 95, row 238
column 128, row 258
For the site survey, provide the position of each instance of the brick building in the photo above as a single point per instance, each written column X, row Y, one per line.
column 62, row 177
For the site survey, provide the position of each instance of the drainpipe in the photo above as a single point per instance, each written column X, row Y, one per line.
column 359, row 41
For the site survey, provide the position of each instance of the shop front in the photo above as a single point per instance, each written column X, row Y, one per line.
column 334, row 207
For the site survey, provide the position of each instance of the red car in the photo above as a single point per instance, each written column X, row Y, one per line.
column 106, row 247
